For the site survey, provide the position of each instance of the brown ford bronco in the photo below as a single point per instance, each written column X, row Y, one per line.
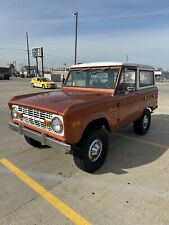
column 96, row 99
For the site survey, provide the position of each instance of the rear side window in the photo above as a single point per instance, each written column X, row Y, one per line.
column 146, row 78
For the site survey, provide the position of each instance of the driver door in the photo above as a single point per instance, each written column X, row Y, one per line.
column 39, row 82
column 127, row 99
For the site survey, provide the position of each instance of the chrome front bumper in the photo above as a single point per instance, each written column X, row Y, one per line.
column 44, row 139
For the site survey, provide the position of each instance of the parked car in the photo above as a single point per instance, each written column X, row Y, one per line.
column 96, row 99
column 42, row 82
column 5, row 76
column 5, row 73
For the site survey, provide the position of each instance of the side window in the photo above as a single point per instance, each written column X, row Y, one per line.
column 146, row 78
column 128, row 81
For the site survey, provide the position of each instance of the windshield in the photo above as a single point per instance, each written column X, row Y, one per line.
column 95, row 78
column 45, row 79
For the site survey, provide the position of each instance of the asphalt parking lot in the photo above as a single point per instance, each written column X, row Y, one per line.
column 43, row 186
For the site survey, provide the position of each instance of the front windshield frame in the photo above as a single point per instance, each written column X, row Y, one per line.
column 94, row 78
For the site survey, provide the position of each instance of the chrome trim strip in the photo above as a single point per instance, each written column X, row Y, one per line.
column 44, row 139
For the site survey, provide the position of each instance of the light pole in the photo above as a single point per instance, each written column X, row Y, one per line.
column 42, row 61
column 127, row 58
column 76, row 14
column 27, row 42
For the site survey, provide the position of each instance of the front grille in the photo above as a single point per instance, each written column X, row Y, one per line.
column 35, row 113
column 35, row 117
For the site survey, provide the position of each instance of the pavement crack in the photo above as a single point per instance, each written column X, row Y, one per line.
column 18, row 208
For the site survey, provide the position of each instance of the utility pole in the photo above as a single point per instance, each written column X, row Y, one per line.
column 15, row 64
column 64, row 66
column 42, row 61
column 76, row 14
column 127, row 58
column 29, row 69
column 37, row 72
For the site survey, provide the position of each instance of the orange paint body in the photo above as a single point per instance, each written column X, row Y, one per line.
column 80, row 106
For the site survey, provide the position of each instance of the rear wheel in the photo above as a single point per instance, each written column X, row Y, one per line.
column 92, row 151
column 142, row 125
column 33, row 142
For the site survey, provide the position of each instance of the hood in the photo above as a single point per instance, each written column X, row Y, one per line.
column 55, row 101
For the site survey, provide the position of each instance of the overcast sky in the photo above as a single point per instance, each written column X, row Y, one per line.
column 108, row 30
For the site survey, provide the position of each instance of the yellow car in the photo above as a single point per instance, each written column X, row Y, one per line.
column 42, row 82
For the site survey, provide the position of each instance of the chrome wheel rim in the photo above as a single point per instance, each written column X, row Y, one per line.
column 145, row 121
column 95, row 150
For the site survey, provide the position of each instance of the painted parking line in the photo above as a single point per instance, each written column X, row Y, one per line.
column 142, row 141
column 53, row 200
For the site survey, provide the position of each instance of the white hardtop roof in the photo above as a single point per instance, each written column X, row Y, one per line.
column 98, row 64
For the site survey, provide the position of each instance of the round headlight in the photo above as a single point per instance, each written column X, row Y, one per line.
column 57, row 125
column 15, row 112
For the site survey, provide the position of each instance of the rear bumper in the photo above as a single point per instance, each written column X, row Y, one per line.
column 45, row 140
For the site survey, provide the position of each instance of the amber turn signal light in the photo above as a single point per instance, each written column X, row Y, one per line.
column 47, row 123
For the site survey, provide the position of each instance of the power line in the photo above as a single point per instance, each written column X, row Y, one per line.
column 6, row 41
column 57, row 56
column 13, row 49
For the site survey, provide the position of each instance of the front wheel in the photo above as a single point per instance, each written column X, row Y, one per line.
column 142, row 125
column 92, row 151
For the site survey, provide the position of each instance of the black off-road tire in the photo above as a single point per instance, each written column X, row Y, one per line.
column 140, row 127
column 33, row 142
column 81, row 154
